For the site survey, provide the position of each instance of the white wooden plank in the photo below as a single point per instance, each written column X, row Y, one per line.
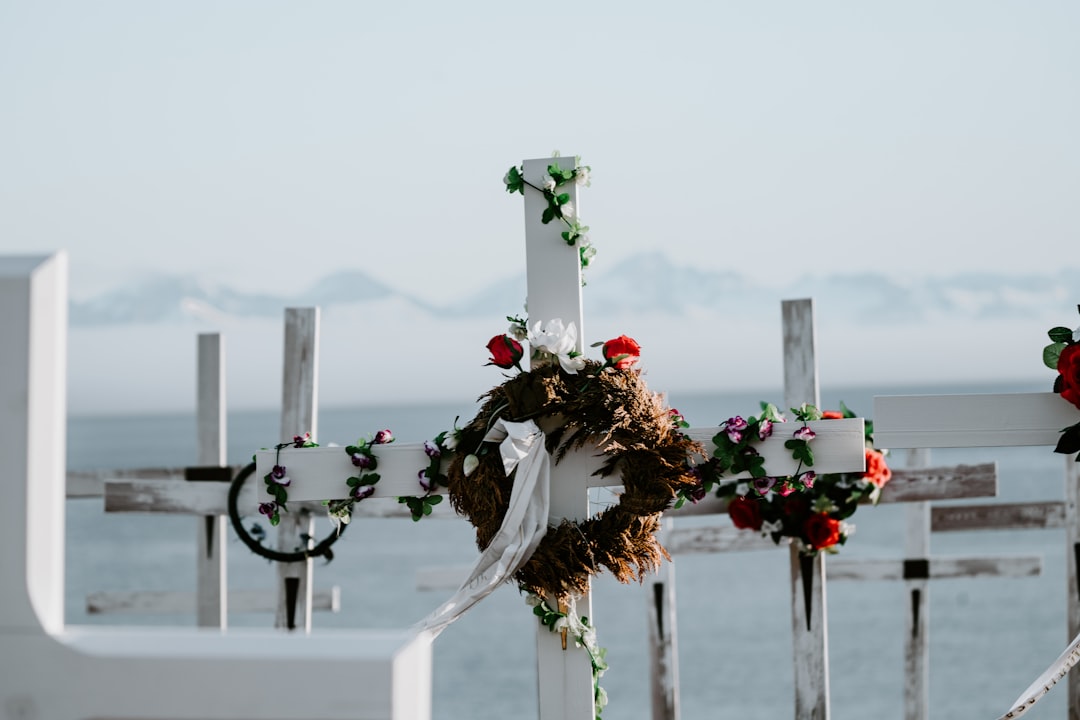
column 940, row 483
column 91, row 483
column 800, row 361
column 1072, row 574
column 299, row 415
column 33, row 355
column 916, row 623
column 688, row 540
column 174, row 497
column 165, row 602
column 320, row 473
column 211, row 569
column 194, row 498
column 662, row 623
column 990, row 420
column 906, row 485
column 939, row 568
column 998, row 516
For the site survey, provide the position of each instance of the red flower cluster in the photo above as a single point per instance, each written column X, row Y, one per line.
column 745, row 513
column 810, row 509
column 822, row 531
column 877, row 471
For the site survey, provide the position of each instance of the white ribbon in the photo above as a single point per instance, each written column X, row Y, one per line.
column 522, row 529
column 1038, row 689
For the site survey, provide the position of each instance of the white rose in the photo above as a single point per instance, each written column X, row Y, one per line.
column 555, row 339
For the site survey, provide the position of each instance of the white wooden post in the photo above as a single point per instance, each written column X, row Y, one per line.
column 916, row 626
column 212, row 607
column 1072, row 576
column 553, row 272
column 809, row 631
column 299, row 414
column 663, row 638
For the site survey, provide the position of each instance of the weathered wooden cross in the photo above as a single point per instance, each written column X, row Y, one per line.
column 915, row 486
column 554, row 291
column 994, row 420
column 186, row 491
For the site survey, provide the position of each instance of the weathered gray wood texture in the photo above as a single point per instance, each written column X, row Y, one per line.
column 809, row 630
column 299, row 415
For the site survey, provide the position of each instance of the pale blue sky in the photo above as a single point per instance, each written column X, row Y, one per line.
column 267, row 142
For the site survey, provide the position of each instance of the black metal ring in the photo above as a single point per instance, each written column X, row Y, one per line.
column 321, row 549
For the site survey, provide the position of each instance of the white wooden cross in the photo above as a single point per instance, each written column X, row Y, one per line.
column 49, row 670
column 554, row 291
column 172, row 491
column 994, row 420
column 912, row 486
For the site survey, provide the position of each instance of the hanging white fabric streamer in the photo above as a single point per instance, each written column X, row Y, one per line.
column 522, row 529
column 1038, row 689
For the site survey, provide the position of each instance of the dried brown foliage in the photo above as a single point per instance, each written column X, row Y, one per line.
column 608, row 409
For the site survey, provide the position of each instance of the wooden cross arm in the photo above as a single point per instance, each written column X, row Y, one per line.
column 320, row 473
column 935, row 568
column 187, row 498
column 839, row 446
column 906, row 485
column 991, row 420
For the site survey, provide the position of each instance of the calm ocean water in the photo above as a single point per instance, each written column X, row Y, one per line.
column 989, row 637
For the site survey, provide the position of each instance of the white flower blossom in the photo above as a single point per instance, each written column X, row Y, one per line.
column 572, row 364
column 532, row 600
column 581, row 175
column 847, row 529
column 556, row 341
column 450, row 440
column 742, row 488
column 548, row 183
column 567, row 210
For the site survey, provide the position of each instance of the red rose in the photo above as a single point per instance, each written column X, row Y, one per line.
column 622, row 352
column 822, row 531
column 877, row 471
column 832, row 415
column 1069, row 367
column 745, row 513
column 505, row 351
column 796, row 506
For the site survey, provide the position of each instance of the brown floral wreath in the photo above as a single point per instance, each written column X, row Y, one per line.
column 603, row 405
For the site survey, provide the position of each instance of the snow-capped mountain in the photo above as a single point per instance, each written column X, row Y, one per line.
column 133, row 347
column 644, row 283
